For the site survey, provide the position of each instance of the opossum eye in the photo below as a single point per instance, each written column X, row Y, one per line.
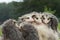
column 22, row 19
column 48, row 18
column 36, row 18
column 27, row 18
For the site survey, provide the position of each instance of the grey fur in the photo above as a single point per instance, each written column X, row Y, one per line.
column 10, row 31
column 27, row 31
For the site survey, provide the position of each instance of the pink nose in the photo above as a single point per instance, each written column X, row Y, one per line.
column 30, row 20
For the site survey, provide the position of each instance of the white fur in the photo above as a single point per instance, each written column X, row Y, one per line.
column 46, row 32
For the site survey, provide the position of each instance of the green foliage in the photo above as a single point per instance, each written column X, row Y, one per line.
column 16, row 9
column 59, row 26
column 0, row 32
column 46, row 9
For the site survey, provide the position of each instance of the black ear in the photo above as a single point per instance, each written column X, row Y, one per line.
column 20, row 20
column 53, row 23
column 33, row 16
column 43, row 17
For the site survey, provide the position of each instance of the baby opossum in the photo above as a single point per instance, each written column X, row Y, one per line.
column 51, row 20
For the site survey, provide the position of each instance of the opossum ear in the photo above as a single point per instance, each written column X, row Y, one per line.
column 20, row 19
column 53, row 23
column 33, row 16
column 43, row 17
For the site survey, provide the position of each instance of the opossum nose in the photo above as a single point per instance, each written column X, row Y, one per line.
column 32, row 20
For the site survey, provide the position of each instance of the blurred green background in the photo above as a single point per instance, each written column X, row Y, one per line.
column 16, row 9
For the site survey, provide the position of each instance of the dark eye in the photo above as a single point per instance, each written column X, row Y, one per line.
column 48, row 18
column 27, row 18
column 37, row 18
column 22, row 19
